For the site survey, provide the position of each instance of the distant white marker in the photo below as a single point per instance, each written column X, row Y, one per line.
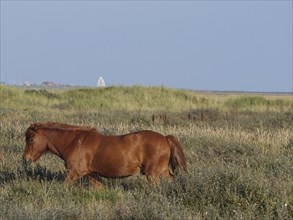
column 101, row 82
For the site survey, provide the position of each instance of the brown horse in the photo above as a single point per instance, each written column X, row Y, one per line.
column 86, row 152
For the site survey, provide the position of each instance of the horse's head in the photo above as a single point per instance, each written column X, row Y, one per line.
column 36, row 144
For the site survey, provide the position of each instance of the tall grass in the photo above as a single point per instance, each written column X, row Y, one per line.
column 262, row 102
column 136, row 98
column 239, row 155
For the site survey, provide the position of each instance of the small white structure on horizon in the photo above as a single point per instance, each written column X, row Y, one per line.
column 26, row 83
column 101, row 82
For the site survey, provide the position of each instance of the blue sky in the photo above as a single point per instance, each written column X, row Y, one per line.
column 200, row 45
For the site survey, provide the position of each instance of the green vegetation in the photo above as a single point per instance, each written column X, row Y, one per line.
column 239, row 150
column 136, row 98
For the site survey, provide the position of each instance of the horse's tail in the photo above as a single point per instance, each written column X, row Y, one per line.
column 177, row 158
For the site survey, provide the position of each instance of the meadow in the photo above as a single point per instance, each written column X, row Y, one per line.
column 239, row 150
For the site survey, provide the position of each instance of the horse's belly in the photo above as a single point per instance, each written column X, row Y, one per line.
column 117, row 169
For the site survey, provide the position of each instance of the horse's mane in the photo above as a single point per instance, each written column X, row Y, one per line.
column 60, row 126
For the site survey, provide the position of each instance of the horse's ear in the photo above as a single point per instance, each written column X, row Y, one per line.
column 29, row 132
column 34, row 127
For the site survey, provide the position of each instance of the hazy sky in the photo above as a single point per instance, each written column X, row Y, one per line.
column 201, row 45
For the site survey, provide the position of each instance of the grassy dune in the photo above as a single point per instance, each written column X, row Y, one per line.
column 239, row 150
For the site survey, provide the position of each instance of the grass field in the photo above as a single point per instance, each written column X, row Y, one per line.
column 239, row 150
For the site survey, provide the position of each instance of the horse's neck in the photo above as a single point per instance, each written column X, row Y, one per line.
column 59, row 140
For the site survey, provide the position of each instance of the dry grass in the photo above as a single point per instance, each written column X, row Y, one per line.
column 239, row 157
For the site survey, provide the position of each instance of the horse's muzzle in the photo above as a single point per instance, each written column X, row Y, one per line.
column 29, row 168
column 27, row 162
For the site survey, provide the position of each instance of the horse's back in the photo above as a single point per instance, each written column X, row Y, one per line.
column 151, row 139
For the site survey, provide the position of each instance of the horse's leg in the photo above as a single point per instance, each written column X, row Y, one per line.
column 167, row 174
column 157, row 169
column 71, row 177
column 95, row 183
column 152, row 174
column 166, row 170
